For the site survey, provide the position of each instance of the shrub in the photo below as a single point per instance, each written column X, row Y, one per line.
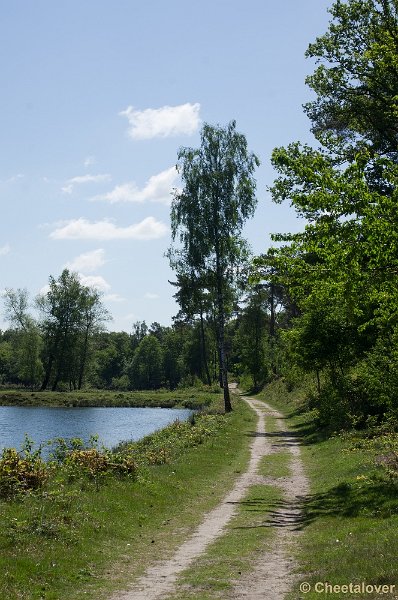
column 89, row 461
column 20, row 474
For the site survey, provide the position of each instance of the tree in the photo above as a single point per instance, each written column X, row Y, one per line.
column 140, row 329
column 146, row 372
column 194, row 300
column 29, row 367
column 113, row 353
column 71, row 313
column 356, row 80
column 340, row 271
column 172, row 357
column 6, row 359
column 93, row 315
column 252, row 336
column 207, row 217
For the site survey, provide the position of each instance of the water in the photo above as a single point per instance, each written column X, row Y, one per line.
column 112, row 425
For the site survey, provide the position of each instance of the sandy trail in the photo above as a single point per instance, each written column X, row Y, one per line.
column 272, row 575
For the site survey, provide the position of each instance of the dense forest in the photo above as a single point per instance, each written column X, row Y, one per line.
column 322, row 302
column 68, row 347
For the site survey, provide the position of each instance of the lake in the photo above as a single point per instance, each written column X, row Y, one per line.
column 112, row 425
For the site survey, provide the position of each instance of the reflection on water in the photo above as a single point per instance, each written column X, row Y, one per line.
column 112, row 425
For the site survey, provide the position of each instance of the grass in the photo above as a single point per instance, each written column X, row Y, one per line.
column 350, row 522
column 185, row 397
column 75, row 540
column 275, row 465
column 272, row 424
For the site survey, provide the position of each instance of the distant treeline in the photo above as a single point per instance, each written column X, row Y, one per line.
column 67, row 348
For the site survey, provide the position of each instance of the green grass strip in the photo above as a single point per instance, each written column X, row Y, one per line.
column 184, row 397
column 275, row 465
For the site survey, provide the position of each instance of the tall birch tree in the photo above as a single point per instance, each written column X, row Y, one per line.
column 208, row 214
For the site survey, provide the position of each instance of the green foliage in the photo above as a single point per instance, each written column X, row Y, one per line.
column 78, row 461
column 172, row 358
column 21, row 472
column 71, row 314
column 146, row 371
column 322, row 338
column 28, row 357
column 6, row 360
column 121, row 383
column 27, row 342
column 252, row 340
column 356, row 81
column 340, row 271
column 113, row 351
column 207, row 217
column 97, row 465
column 166, row 444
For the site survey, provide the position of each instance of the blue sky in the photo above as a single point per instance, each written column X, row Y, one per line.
column 98, row 96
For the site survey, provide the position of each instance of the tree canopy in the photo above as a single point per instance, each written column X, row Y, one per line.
column 207, row 217
column 341, row 269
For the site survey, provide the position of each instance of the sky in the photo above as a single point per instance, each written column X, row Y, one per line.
column 98, row 96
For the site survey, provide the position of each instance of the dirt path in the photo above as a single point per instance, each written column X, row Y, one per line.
column 272, row 575
column 273, row 572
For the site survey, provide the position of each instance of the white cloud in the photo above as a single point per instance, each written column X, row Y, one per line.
column 94, row 281
column 44, row 290
column 158, row 188
column 151, row 296
column 67, row 189
column 88, row 261
column 89, row 160
column 81, row 179
column 14, row 178
column 162, row 122
column 81, row 229
column 5, row 250
column 114, row 298
column 90, row 178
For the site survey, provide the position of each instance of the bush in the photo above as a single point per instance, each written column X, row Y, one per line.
column 121, row 383
column 90, row 461
column 93, row 463
column 20, row 474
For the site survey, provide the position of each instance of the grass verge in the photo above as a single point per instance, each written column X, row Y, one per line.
column 75, row 539
column 185, row 397
column 350, row 523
